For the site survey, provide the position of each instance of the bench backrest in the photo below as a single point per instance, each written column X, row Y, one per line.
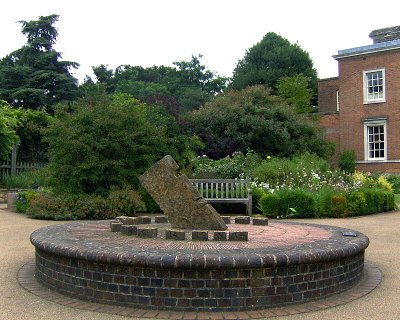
column 223, row 188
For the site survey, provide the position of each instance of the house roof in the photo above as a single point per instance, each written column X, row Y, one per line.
column 373, row 48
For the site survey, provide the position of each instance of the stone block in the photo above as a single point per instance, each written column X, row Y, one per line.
column 242, row 220
column 238, row 236
column 160, row 219
column 227, row 219
column 147, row 232
column 143, row 220
column 180, row 201
column 129, row 230
column 220, row 236
column 260, row 221
column 200, row 235
column 127, row 220
column 172, row 234
column 116, row 226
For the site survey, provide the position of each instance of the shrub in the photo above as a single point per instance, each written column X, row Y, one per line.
column 394, row 180
column 378, row 200
column 339, row 206
column 25, row 179
column 323, row 202
column 288, row 203
column 24, row 200
column 107, row 141
column 270, row 205
column 347, row 161
column 357, row 203
column 234, row 166
column 125, row 202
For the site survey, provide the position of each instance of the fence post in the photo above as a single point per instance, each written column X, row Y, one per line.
column 14, row 160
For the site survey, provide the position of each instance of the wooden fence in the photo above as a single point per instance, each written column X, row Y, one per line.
column 12, row 167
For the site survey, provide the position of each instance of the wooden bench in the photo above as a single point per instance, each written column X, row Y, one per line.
column 225, row 191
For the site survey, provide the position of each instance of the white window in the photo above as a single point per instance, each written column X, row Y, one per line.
column 375, row 140
column 374, row 86
column 337, row 101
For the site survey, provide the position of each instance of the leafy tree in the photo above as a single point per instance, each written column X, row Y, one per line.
column 188, row 82
column 271, row 59
column 296, row 92
column 103, row 141
column 253, row 119
column 8, row 125
column 34, row 76
column 32, row 123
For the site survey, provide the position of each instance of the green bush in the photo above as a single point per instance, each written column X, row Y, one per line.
column 270, row 204
column 100, row 142
column 323, row 202
column 378, row 200
column 288, row 203
column 339, row 206
column 357, row 203
column 347, row 161
column 25, row 179
column 24, row 200
column 67, row 207
column 125, row 202
column 394, row 179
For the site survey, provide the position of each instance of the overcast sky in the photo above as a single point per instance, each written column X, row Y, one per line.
column 159, row 32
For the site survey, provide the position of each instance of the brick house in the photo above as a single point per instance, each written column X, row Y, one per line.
column 361, row 108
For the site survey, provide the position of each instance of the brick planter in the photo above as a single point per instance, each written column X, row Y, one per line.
column 88, row 261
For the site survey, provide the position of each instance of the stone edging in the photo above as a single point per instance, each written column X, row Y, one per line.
column 371, row 279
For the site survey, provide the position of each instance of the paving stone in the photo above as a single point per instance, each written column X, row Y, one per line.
column 260, row 221
column 220, row 236
column 242, row 220
column 238, row 236
column 160, row 219
column 129, row 230
column 173, row 234
column 115, row 226
column 147, row 232
column 199, row 235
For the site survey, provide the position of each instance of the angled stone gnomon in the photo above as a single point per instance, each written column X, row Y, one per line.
column 179, row 199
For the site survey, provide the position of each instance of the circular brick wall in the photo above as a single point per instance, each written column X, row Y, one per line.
column 282, row 263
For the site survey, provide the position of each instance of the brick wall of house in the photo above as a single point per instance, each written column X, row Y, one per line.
column 330, row 125
column 353, row 111
column 327, row 90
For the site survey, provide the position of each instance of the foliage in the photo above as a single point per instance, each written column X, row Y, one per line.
column 339, row 206
column 188, row 84
column 296, row 92
column 286, row 203
column 230, row 167
column 24, row 199
column 303, row 171
column 271, row 59
column 8, row 125
column 103, row 142
column 394, row 180
column 253, row 119
column 25, row 180
column 68, row 207
column 347, row 161
column 33, row 76
column 125, row 202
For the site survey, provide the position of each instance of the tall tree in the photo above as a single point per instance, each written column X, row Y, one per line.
column 269, row 60
column 190, row 83
column 34, row 76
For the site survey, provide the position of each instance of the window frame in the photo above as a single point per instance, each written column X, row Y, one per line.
column 365, row 86
column 375, row 123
